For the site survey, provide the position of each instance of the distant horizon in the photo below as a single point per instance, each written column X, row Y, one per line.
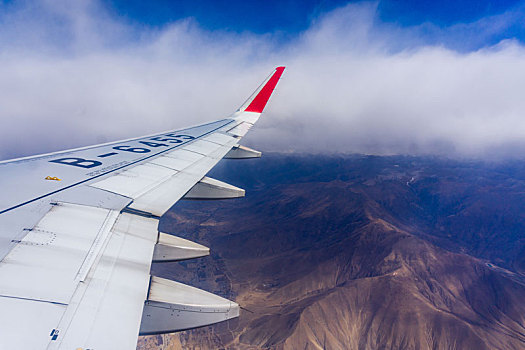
column 381, row 77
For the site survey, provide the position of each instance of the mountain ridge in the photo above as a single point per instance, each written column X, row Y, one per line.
column 346, row 256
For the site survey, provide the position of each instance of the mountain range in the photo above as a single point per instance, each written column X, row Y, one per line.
column 358, row 252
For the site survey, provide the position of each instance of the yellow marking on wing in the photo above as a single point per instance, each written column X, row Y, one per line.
column 53, row 178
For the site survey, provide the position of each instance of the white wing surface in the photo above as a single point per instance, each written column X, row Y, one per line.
column 79, row 230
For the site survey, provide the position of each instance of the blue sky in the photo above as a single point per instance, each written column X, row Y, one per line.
column 291, row 17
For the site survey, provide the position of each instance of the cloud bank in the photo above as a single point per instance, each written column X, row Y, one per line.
column 77, row 74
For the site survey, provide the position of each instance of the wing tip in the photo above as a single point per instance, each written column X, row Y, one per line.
column 261, row 99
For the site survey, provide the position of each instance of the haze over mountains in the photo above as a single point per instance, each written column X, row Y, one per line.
column 359, row 252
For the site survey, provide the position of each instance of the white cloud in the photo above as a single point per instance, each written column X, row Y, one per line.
column 73, row 75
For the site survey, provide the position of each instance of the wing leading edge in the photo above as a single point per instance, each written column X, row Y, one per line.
column 79, row 230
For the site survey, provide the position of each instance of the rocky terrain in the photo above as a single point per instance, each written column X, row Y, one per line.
column 359, row 252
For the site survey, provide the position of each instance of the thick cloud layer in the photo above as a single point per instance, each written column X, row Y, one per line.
column 76, row 74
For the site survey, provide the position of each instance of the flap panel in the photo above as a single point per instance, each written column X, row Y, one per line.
column 241, row 129
column 203, row 147
column 52, row 258
column 137, row 180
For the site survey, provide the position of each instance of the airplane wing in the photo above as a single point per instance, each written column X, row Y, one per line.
column 79, row 231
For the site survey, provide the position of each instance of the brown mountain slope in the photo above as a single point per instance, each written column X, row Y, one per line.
column 327, row 264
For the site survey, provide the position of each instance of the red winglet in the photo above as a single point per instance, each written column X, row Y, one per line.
column 259, row 102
